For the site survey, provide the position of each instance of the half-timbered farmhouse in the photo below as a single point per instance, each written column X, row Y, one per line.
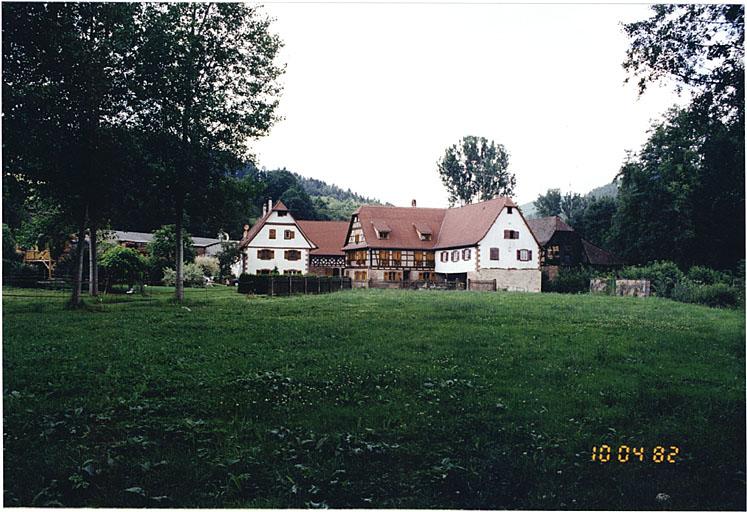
column 327, row 259
column 562, row 246
column 484, row 241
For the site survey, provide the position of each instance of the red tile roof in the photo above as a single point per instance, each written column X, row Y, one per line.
column 400, row 221
column 327, row 235
column 449, row 227
column 470, row 223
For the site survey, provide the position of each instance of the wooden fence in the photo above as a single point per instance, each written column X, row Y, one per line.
column 290, row 285
column 416, row 285
column 482, row 286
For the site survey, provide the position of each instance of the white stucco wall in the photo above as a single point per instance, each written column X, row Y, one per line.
column 262, row 240
column 456, row 267
column 254, row 264
column 507, row 248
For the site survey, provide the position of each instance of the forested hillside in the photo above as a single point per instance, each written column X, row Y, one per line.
column 307, row 198
column 609, row 190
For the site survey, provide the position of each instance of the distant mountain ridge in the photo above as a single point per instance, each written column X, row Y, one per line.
column 608, row 190
column 332, row 201
column 320, row 188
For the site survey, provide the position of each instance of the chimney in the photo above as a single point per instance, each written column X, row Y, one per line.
column 246, row 231
column 264, row 210
column 269, row 206
column 414, row 203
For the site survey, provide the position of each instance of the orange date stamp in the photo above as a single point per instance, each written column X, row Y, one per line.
column 624, row 454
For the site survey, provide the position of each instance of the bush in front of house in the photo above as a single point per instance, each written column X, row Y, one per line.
column 23, row 275
column 122, row 264
column 713, row 295
column 569, row 280
column 706, row 275
column 245, row 283
column 209, row 265
column 663, row 275
column 193, row 276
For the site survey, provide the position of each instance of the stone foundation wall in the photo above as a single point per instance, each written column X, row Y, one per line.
column 514, row 280
column 633, row 287
column 621, row 287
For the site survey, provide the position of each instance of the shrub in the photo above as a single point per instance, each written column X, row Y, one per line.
column 664, row 275
column 716, row 295
column 569, row 280
column 209, row 265
column 123, row 264
column 245, row 283
column 9, row 245
column 20, row 274
column 706, row 275
column 193, row 276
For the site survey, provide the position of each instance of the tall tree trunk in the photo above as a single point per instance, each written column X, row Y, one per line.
column 179, row 249
column 93, row 259
column 78, row 276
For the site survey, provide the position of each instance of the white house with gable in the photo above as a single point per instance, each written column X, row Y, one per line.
column 489, row 240
column 276, row 241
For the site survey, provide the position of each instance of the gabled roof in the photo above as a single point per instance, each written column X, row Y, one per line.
column 328, row 235
column 448, row 227
column 400, row 221
column 470, row 223
column 280, row 207
column 144, row 238
column 545, row 227
column 254, row 230
column 598, row 256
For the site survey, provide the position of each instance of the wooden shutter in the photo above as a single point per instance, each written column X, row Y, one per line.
column 518, row 254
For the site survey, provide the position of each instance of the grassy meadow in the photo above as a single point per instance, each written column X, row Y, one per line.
column 371, row 398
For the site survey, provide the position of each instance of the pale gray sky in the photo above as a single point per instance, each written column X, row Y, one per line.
column 375, row 93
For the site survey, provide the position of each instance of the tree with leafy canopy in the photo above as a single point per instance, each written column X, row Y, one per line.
column 572, row 207
column 700, row 47
column 162, row 249
column 655, row 219
column 682, row 195
column 299, row 203
column 207, row 86
column 548, row 204
column 65, row 82
column 476, row 168
column 229, row 255
column 595, row 224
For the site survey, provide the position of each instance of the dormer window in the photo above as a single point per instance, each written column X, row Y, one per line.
column 424, row 232
column 382, row 230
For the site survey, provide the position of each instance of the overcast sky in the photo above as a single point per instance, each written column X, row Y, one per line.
column 375, row 93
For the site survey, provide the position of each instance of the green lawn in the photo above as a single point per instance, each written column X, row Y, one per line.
column 371, row 398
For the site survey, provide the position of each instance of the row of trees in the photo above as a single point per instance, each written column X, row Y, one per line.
column 681, row 197
column 108, row 108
